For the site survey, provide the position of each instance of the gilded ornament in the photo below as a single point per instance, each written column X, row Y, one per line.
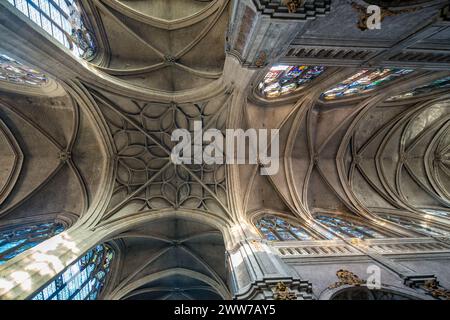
column 282, row 292
column 293, row 5
column 346, row 278
column 435, row 290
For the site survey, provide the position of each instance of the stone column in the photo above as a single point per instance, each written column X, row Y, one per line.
column 260, row 30
column 257, row 273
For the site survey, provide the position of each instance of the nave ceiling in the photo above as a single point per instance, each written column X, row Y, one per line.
column 173, row 49
column 98, row 153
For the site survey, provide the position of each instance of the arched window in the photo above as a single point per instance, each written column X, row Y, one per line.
column 82, row 280
column 364, row 293
column 16, row 240
column 61, row 19
column 285, row 79
column 277, row 229
column 422, row 227
column 395, row 3
column 363, row 82
column 348, row 229
column 443, row 83
column 15, row 72
column 438, row 213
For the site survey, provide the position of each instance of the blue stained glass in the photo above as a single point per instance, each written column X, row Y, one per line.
column 277, row 229
column 34, row 15
column 63, row 20
column 83, row 280
column 439, row 84
column 16, row 240
column 417, row 226
column 348, row 229
column 286, row 235
column 439, row 213
column 20, row 250
column 270, row 236
column 100, row 275
column 47, row 292
column 41, row 296
column 11, row 245
column 285, row 79
column 45, row 6
column 22, row 6
column 362, row 82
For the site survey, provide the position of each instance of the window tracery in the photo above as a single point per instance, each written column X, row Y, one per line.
column 347, row 228
column 275, row 228
column 16, row 240
column 83, row 280
column 363, row 81
column 363, row 293
column 439, row 213
column 443, row 83
column 62, row 19
column 417, row 226
column 15, row 72
column 395, row 3
column 285, row 79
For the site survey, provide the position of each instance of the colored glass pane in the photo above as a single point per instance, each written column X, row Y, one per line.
column 285, row 79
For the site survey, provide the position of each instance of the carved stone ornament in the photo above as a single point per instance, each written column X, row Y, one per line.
column 293, row 5
column 282, row 292
column 346, row 278
column 435, row 290
column 261, row 59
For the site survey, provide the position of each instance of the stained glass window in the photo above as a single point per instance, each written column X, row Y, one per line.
column 82, row 280
column 286, row 79
column 14, row 241
column 419, row 226
column 364, row 81
column 348, row 229
column 15, row 72
column 395, row 3
column 61, row 19
column 439, row 213
column 443, row 83
column 277, row 229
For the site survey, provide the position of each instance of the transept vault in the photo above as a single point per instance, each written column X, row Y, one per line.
column 364, row 149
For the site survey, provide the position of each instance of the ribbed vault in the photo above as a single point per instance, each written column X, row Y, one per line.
column 46, row 145
column 99, row 151
column 356, row 156
column 173, row 49
column 171, row 258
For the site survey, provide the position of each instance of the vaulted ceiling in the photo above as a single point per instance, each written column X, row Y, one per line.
column 358, row 156
column 163, row 45
column 47, row 147
column 362, row 155
column 170, row 258
column 100, row 150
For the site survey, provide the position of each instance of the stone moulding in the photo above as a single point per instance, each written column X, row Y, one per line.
column 16, row 156
column 309, row 10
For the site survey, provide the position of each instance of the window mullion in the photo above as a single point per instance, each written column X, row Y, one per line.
column 274, row 231
column 65, row 283
column 59, row 8
column 15, row 248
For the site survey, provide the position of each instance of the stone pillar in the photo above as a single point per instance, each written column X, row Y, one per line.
column 257, row 273
column 261, row 30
